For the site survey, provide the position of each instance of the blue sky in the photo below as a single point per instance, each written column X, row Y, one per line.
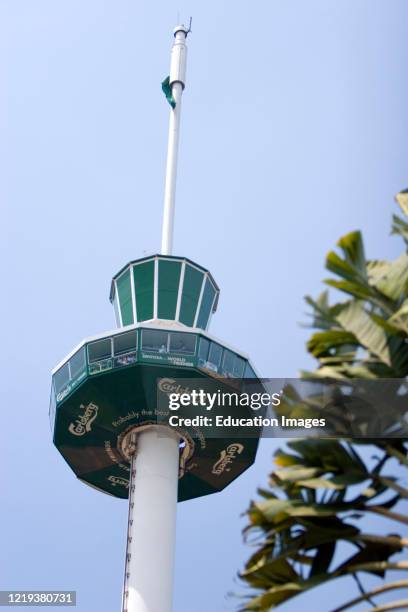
column 293, row 133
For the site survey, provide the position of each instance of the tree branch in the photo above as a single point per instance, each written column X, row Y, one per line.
column 393, row 541
column 401, row 604
column 363, row 591
column 395, row 516
column 377, row 566
column 399, row 584
column 397, row 454
column 393, row 485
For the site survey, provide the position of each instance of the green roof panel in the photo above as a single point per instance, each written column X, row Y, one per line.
column 168, row 288
column 206, row 305
column 193, row 279
column 143, row 275
column 125, row 298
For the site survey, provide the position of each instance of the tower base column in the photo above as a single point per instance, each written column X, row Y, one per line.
column 149, row 567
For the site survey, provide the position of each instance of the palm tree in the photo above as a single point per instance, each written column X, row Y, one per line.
column 321, row 490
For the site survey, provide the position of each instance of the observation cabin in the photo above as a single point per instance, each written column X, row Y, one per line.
column 108, row 384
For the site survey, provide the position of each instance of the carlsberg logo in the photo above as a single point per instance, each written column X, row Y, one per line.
column 83, row 423
column 169, row 385
column 116, row 480
column 227, row 457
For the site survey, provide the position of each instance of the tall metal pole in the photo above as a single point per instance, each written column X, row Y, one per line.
column 155, row 457
column 177, row 84
column 149, row 568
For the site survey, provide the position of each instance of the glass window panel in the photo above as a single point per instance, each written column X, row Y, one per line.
column 124, row 343
column 125, row 359
column 249, row 373
column 193, row 279
column 125, row 298
column 101, row 349
column 239, row 365
column 214, row 357
column 206, row 304
column 61, row 378
column 203, row 350
column 182, row 343
column 228, row 362
column 168, row 288
column 77, row 363
column 154, row 340
column 143, row 275
column 100, row 366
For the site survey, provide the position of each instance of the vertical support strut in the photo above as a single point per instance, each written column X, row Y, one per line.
column 177, row 84
column 149, row 566
column 131, row 503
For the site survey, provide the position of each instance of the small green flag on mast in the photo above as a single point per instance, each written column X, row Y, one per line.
column 166, row 87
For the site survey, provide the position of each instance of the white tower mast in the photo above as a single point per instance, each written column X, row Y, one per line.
column 154, row 452
column 177, row 84
column 149, row 567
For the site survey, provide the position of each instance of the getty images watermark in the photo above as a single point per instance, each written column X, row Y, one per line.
column 226, row 409
column 204, row 399
column 37, row 598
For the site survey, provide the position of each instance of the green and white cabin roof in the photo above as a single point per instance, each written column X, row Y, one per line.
column 164, row 288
